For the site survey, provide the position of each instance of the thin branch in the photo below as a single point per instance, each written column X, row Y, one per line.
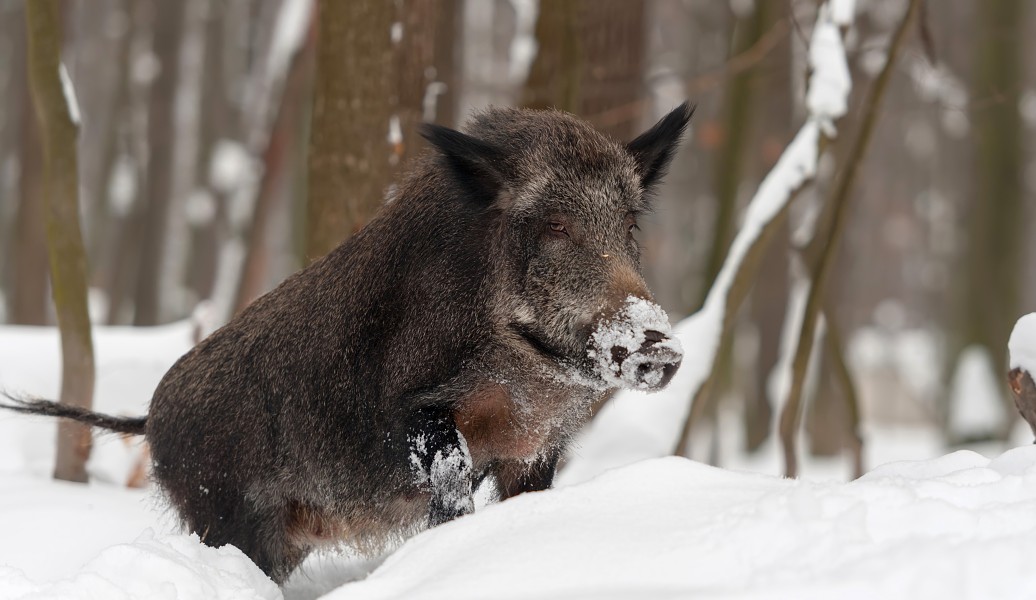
column 704, row 82
column 836, row 353
column 791, row 415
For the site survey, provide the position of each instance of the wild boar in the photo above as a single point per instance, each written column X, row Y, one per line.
column 460, row 336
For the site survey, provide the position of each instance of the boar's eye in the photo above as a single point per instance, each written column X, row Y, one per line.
column 557, row 227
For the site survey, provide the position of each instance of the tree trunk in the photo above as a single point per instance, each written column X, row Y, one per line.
column 284, row 142
column 27, row 300
column 64, row 240
column 351, row 160
column 161, row 133
column 590, row 59
column 997, row 219
column 428, row 68
column 738, row 107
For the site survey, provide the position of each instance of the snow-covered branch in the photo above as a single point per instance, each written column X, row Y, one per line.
column 831, row 232
column 635, row 426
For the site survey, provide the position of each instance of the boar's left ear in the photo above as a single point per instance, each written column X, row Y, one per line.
column 476, row 164
column 654, row 149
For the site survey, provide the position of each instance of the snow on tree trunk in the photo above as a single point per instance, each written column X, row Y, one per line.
column 54, row 111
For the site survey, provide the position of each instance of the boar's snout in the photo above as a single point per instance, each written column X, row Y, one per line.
column 651, row 366
column 636, row 348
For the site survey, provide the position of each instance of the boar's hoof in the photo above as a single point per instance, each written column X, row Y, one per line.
column 653, row 365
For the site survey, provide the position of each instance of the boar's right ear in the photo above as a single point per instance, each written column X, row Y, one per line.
column 654, row 149
column 474, row 163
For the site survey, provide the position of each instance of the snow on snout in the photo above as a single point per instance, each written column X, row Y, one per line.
column 627, row 330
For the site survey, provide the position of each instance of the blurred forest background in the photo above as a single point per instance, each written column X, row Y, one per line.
column 211, row 165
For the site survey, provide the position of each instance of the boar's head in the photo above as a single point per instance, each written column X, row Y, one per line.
column 562, row 203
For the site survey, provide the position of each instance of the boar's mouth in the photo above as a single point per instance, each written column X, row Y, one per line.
column 538, row 344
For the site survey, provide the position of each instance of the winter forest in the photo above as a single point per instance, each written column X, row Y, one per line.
column 814, row 378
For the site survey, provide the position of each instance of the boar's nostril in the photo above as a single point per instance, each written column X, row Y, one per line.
column 619, row 354
column 652, row 337
column 668, row 371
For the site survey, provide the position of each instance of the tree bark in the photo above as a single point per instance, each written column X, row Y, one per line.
column 64, row 239
column 590, row 59
column 284, row 140
column 351, row 161
column 27, row 301
column 997, row 219
column 428, row 67
column 161, row 132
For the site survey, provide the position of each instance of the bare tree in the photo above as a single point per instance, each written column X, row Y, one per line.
column 283, row 141
column 161, row 130
column 27, row 300
column 64, row 240
column 996, row 219
column 826, row 242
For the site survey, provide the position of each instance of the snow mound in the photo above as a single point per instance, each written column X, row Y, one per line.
column 174, row 567
column 957, row 527
column 960, row 526
column 1022, row 344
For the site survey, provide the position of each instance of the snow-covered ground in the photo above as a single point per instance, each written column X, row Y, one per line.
column 956, row 526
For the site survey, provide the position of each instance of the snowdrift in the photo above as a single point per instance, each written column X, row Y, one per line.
column 960, row 526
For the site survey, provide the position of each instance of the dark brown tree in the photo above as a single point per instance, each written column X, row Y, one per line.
column 590, row 59
column 351, row 159
column 997, row 219
column 64, row 240
column 26, row 301
column 161, row 131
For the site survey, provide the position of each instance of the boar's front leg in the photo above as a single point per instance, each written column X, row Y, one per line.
column 439, row 455
column 515, row 477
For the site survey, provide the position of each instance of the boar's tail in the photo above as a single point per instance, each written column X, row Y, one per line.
column 130, row 425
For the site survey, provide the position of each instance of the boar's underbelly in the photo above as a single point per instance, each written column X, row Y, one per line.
column 366, row 529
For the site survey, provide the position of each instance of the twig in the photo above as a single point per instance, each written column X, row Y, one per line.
column 791, row 414
column 704, row 82
column 924, row 31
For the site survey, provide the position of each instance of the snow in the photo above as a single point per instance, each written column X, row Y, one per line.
column 660, row 528
column 176, row 567
column 288, row 34
column 231, row 165
column 395, row 131
column 672, row 528
column 842, row 12
column 69, row 91
column 663, row 528
column 1022, row 344
column 976, row 406
column 523, row 44
column 130, row 362
column 627, row 331
column 827, row 95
